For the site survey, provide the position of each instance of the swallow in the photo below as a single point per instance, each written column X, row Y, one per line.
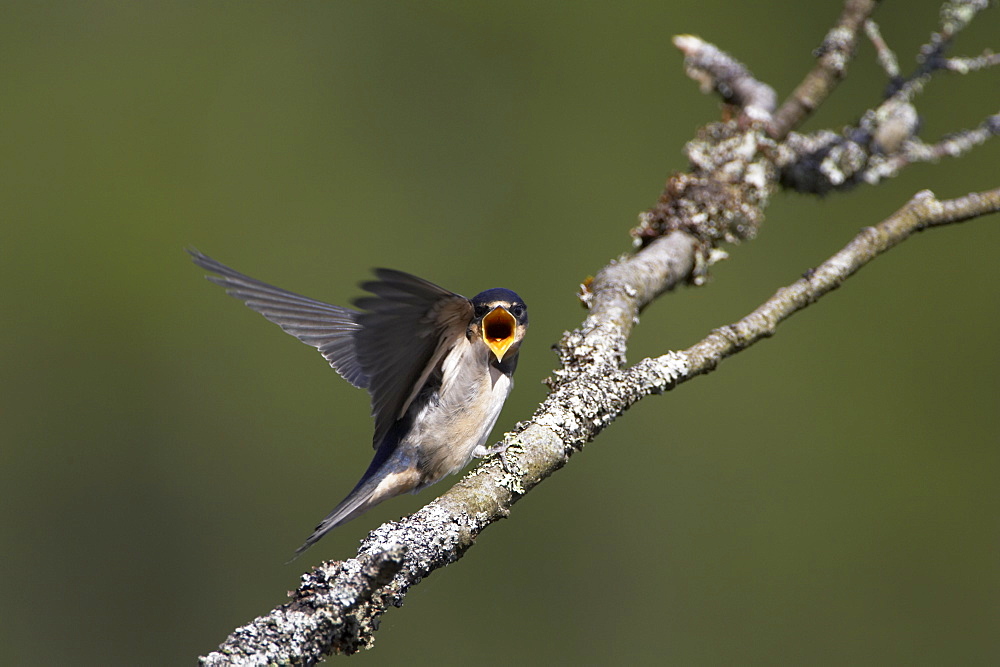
column 438, row 367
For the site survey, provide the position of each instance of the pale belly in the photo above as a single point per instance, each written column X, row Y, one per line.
column 448, row 431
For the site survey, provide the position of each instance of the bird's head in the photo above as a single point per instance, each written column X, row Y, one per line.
column 502, row 320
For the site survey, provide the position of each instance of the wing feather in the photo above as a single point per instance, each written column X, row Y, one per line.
column 391, row 347
column 330, row 329
column 406, row 329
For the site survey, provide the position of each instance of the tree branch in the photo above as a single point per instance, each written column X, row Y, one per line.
column 921, row 212
column 735, row 167
column 336, row 607
column 885, row 140
column 833, row 54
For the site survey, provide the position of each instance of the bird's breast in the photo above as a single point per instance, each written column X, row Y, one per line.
column 459, row 416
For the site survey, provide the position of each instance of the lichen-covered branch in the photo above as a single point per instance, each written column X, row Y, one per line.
column 886, row 140
column 834, row 54
column 735, row 167
column 337, row 605
column 718, row 71
column 921, row 212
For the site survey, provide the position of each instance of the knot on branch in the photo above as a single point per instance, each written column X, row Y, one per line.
column 723, row 197
column 826, row 161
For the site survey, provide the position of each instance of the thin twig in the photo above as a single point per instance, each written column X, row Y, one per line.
column 835, row 52
column 964, row 65
column 923, row 211
column 886, row 140
column 885, row 55
column 882, row 167
column 716, row 70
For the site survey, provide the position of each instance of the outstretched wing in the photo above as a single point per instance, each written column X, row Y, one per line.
column 330, row 329
column 407, row 328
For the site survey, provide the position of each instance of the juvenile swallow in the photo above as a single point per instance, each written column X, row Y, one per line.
column 438, row 367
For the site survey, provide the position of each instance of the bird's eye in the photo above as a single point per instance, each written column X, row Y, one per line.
column 517, row 311
column 481, row 310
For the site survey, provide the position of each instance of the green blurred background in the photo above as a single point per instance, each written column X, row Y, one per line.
column 828, row 497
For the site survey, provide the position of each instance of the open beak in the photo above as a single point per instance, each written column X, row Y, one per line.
column 498, row 331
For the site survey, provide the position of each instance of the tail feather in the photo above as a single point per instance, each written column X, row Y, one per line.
column 358, row 502
column 384, row 479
